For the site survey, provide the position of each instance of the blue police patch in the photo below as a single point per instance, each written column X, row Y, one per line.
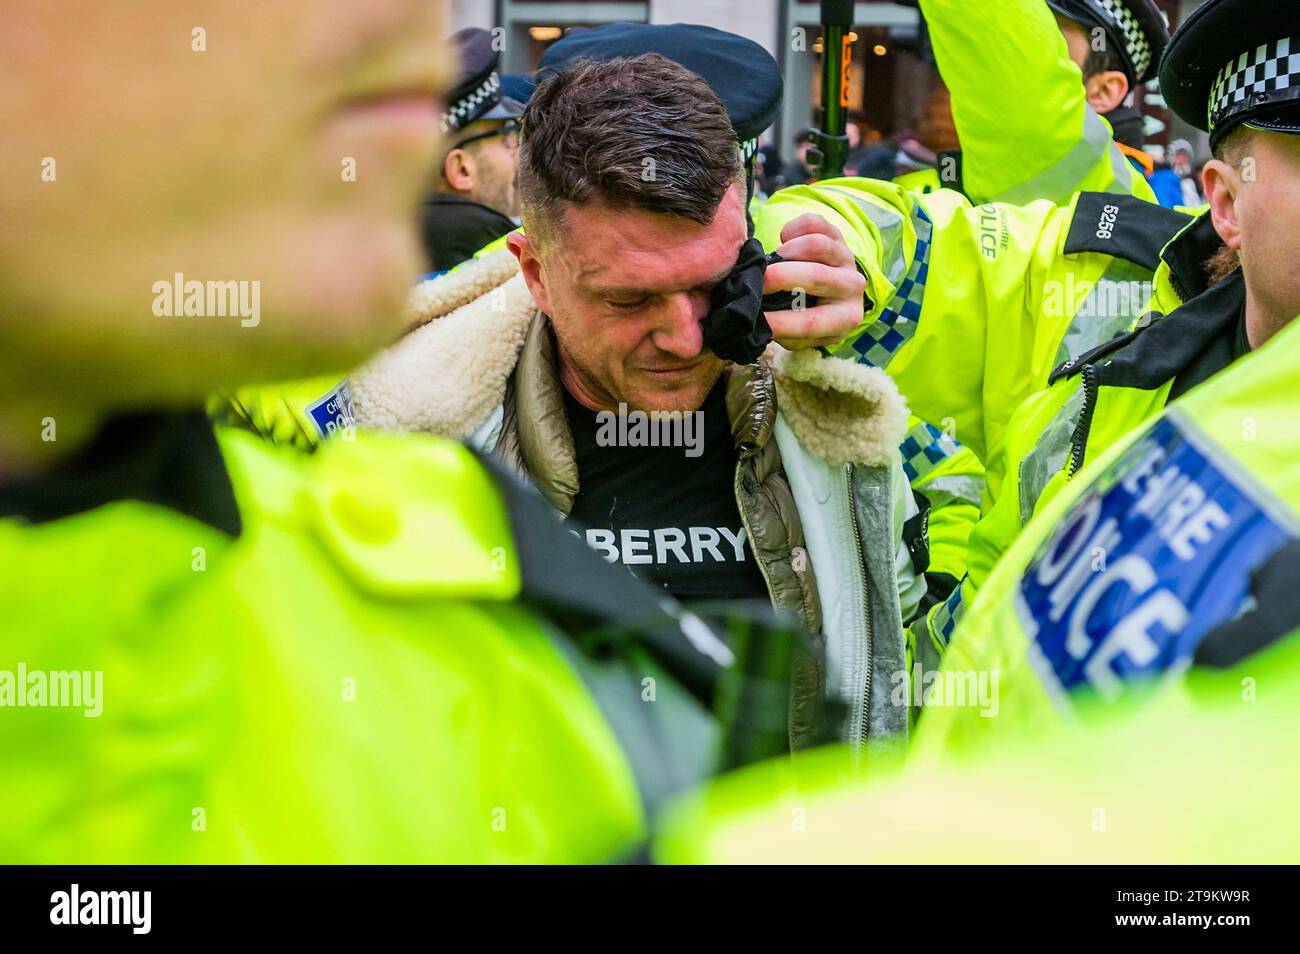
column 1155, row 555
column 333, row 412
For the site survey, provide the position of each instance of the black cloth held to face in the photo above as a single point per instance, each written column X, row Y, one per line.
column 736, row 328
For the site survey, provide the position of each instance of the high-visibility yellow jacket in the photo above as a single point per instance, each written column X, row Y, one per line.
column 1126, row 688
column 1018, row 102
column 1099, row 397
column 971, row 308
column 351, row 678
column 1015, row 149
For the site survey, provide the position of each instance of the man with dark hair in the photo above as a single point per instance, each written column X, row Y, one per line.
column 631, row 302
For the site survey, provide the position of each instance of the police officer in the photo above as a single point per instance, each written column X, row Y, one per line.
column 474, row 199
column 1152, row 602
column 216, row 651
column 1220, row 295
column 473, row 202
column 970, row 309
column 1028, row 128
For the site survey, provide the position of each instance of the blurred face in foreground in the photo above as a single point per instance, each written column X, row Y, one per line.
column 625, row 291
column 283, row 144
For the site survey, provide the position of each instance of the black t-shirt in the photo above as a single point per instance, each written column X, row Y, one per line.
column 668, row 512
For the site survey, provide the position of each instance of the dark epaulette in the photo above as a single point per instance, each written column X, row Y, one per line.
column 1123, row 227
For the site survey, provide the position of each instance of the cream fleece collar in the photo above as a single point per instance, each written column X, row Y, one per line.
column 449, row 374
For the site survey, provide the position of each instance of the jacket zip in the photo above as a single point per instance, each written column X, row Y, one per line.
column 1079, row 442
column 866, row 606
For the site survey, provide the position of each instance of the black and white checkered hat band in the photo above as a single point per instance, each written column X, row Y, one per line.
column 1136, row 44
column 463, row 111
column 747, row 149
column 1267, row 75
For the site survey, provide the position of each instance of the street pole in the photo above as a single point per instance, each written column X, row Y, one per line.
column 831, row 145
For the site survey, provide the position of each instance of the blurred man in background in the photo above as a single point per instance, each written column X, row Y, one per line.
column 474, row 197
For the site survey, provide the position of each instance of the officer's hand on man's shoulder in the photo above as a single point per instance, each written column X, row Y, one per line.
column 820, row 264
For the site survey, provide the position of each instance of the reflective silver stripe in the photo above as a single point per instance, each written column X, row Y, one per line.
column 1121, row 296
column 1123, row 169
column 961, row 487
column 1064, row 176
column 890, row 225
column 924, row 448
column 1048, row 457
column 944, row 618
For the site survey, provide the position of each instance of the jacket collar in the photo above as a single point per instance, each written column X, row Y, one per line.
column 1162, row 350
column 480, row 334
column 455, row 227
column 168, row 459
column 1186, row 254
column 545, row 440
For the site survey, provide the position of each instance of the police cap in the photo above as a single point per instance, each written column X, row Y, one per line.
column 1232, row 62
column 1136, row 27
column 742, row 74
column 477, row 94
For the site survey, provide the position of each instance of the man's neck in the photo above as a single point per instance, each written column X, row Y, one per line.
column 1262, row 323
column 589, row 395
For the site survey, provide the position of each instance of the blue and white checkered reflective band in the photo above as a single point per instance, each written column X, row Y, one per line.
column 1267, row 75
column 881, row 339
column 1135, row 41
column 924, row 448
column 464, row 109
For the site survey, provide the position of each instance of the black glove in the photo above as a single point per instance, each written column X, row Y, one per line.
column 736, row 328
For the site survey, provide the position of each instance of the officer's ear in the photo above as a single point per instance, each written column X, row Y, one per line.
column 1106, row 91
column 1222, row 184
column 530, row 265
column 458, row 169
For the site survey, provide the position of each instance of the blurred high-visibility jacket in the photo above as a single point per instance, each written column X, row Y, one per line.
column 240, row 653
column 1126, row 688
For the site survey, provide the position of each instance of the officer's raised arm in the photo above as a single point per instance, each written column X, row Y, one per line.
column 962, row 350
column 1030, row 126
